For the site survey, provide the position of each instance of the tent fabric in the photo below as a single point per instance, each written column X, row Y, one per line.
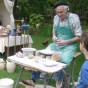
column 9, row 5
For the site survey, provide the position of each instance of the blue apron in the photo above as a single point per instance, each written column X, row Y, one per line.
column 69, row 50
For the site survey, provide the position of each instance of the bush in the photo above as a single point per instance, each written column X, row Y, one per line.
column 36, row 20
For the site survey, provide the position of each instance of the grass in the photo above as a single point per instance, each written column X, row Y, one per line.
column 38, row 39
column 38, row 45
column 5, row 74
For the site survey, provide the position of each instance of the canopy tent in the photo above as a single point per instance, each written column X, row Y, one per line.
column 6, row 12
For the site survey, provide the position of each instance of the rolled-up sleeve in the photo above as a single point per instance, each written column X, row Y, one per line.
column 55, row 22
column 76, row 25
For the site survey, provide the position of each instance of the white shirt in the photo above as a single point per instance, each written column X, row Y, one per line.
column 74, row 23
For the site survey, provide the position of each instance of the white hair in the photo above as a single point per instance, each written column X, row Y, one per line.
column 66, row 7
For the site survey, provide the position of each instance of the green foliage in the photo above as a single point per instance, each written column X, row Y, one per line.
column 36, row 20
column 21, row 9
column 24, row 8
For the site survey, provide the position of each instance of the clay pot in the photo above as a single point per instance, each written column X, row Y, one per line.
column 10, row 66
column 2, row 64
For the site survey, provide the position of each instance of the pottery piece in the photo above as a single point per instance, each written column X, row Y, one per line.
column 10, row 66
column 2, row 64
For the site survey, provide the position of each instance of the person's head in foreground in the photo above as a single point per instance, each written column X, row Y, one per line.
column 84, row 42
column 83, row 74
column 61, row 9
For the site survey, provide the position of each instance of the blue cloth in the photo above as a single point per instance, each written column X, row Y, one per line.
column 35, row 75
column 59, row 75
column 83, row 76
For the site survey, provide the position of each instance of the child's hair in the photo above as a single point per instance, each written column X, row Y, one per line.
column 84, row 39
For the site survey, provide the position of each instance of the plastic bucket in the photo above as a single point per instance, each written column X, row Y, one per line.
column 6, row 83
column 27, row 51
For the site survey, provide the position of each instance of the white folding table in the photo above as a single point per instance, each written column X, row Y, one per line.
column 37, row 64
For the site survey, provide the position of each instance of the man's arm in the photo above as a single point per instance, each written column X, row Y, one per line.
column 75, row 39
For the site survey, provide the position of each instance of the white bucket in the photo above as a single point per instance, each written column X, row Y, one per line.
column 6, row 83
column 27, row 51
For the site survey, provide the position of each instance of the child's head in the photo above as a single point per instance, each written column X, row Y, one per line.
column 84, row 41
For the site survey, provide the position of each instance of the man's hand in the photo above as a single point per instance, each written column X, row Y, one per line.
column 62, row 42
column 54, row 38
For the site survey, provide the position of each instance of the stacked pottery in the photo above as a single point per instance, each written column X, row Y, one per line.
column 10, row 66
column 2, row 64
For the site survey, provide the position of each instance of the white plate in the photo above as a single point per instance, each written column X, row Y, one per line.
column 46, row 51
column 28, row 49
column 49, row 52
column 50, row 63
column 46, row 62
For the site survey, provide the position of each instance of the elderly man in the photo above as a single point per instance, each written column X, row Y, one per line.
column 66, row 34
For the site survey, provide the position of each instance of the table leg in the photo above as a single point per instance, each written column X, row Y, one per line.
column 65, row 83
column 45, row 80
column 49, row 78
column 15, row 44
column 7, row 53
column 73, row 63
column 16, row 85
